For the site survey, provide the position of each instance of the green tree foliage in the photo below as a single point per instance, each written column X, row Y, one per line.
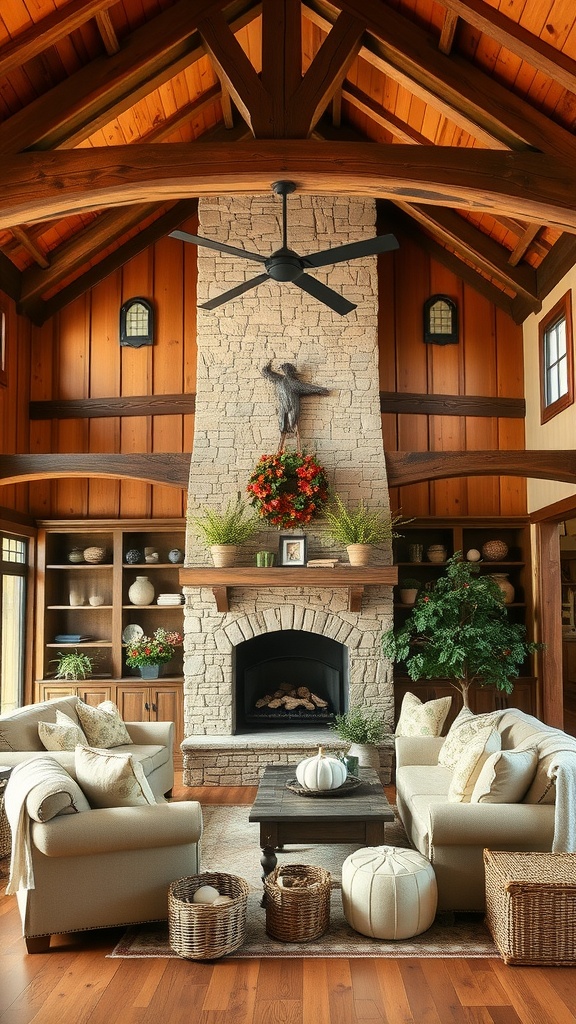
column 459, row 630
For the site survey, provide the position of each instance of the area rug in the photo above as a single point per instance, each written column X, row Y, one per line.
column 230, row 844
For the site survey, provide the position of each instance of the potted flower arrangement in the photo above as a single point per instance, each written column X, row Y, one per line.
column 288, row 489
column 148, row 653
column 224, row 531
column 73, row 665
column 459, row 630
column 359, row 528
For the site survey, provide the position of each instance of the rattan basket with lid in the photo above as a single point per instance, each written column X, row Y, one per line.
column 201, row 931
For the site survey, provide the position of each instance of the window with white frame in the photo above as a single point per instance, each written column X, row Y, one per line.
column 13, row 575
column 556, row 359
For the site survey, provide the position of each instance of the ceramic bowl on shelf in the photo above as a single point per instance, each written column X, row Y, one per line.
column 94, row 555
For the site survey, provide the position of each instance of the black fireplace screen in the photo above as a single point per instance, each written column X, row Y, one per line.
column 289, row 678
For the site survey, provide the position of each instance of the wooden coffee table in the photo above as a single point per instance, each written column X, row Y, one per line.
column 285, row 817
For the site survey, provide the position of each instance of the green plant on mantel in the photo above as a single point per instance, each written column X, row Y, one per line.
column 233, row 525
column 359, row 725
column 358, row 524
column 73, row 665
column 459, row 630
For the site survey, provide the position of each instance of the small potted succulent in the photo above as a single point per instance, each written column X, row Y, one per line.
column 73, row 665
column 224, row 531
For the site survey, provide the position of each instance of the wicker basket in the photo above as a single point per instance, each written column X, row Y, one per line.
column 199, row 931
column 5, row 834
column 531, row 906
column 297, row 914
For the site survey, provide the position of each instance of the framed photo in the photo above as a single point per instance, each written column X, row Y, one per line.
column 292, row 551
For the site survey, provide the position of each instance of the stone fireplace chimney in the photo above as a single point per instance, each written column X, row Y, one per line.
column 236, row 422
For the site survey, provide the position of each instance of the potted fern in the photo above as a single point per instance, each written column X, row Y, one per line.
column 363, row 729
column 359, row 528
column 225, row 531
column 73, row 665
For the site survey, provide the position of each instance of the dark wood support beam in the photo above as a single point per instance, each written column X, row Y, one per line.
column 170, row 468
column 414, row 467
column 130, row 405
column 451, row 405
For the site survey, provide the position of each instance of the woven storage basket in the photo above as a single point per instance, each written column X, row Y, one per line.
column 5, row 834
column 531, row 906
column 299, row 914
column 199, row 931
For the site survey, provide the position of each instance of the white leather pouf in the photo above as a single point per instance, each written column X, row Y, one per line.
column 388, row 892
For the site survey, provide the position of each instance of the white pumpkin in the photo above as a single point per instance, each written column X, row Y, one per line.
column 321, row 772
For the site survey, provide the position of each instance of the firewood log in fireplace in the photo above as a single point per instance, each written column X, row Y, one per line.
column 290, row 698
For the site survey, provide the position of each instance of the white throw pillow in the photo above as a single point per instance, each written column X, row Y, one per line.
column 470, row 763
column 63, row 734
column 112, row 779
column 461, row 732
column 505, row 777
column 422, row 719
column 57, row 793
column 103, row 725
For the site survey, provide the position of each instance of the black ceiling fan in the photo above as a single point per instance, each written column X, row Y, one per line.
column 287, row 265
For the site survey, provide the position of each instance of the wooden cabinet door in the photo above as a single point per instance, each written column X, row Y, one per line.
column 168, row 706
column 94, row 693
column 134, row 702
column 47, row 691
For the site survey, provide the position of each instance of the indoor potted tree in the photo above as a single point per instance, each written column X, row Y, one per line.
column 73, row 665
column 363, row 728
column 224, row 531
column 359, row 528
column 459, row 630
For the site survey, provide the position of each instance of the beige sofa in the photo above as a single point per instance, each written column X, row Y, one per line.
column 75, row 868
column 152, row 746
column 453, row 835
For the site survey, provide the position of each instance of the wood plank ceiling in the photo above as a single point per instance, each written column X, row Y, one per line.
column 115, row 115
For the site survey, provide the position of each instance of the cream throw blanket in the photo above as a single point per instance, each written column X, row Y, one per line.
column 20, row 784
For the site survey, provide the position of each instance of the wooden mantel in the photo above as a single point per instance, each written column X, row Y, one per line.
column 355, row 580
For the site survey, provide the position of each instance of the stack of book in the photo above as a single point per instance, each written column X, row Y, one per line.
column 322, row 563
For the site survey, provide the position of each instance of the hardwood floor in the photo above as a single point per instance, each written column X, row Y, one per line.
column 75, row 984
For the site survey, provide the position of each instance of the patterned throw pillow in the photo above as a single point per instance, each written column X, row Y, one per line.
column 422, row 719
column 63, row 734
column 505, row 777
column 461, row 732
column 470, row 763
column 103, row 725
column 112, row 779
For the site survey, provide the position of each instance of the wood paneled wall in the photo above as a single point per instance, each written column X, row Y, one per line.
column 77, row 355
column 488, row 361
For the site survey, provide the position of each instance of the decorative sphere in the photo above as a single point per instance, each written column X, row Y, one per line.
column 175, row 555
column 94, row 554
column 75, row 556
column 473, row 555
column 495, row 550
column 221, row 900
column 205, row 894
column 133, row 556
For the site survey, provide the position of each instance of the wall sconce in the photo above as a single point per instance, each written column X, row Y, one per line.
column 136, row 323
column 440, row 321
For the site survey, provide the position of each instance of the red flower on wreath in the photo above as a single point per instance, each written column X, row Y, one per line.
column 288, row 488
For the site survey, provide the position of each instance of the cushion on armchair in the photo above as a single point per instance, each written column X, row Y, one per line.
column 112, row 779
column 104, row 726
column 505, row 777
column 63, row 734
column 470, row 763
column 422, row 719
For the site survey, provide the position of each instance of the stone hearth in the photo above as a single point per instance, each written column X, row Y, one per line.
column 236, row 421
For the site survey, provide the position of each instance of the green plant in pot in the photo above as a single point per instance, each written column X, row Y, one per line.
column 73, row 665
column 459, row 630
column 363, row 728
column 225, row 531
column 359, row 528
column 408, row 589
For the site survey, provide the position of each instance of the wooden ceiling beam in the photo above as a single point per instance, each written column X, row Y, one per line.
column 324, row 76
column 523, row 244
column 446, row 41
column 401, row 223
column 281, row 57
column 106, row 30
column 89, row 99
column 537, row 52
column 398, row 128
column 40, row 186
column 38, row 312
column 237, row 73
column 30, row 246
column 48, row 31
column 474, row 245
column 454, row 81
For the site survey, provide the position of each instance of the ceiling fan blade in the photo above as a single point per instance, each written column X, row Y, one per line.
column 234, row 292
column 184, row 236
column 352, row 251
column 326, row 295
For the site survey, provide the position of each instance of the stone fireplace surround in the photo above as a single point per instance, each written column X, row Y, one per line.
column 235, row 422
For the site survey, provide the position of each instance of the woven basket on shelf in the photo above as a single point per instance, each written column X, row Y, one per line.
column 200, row 931
column 531, row 906
column 297, row 914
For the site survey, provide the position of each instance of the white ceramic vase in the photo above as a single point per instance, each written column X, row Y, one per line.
column 368, row 755
column 141, row 592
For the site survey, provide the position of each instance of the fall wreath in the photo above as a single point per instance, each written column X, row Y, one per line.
column 288, row 488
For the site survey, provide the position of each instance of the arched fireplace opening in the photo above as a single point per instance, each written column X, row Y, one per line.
column 289, row 679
